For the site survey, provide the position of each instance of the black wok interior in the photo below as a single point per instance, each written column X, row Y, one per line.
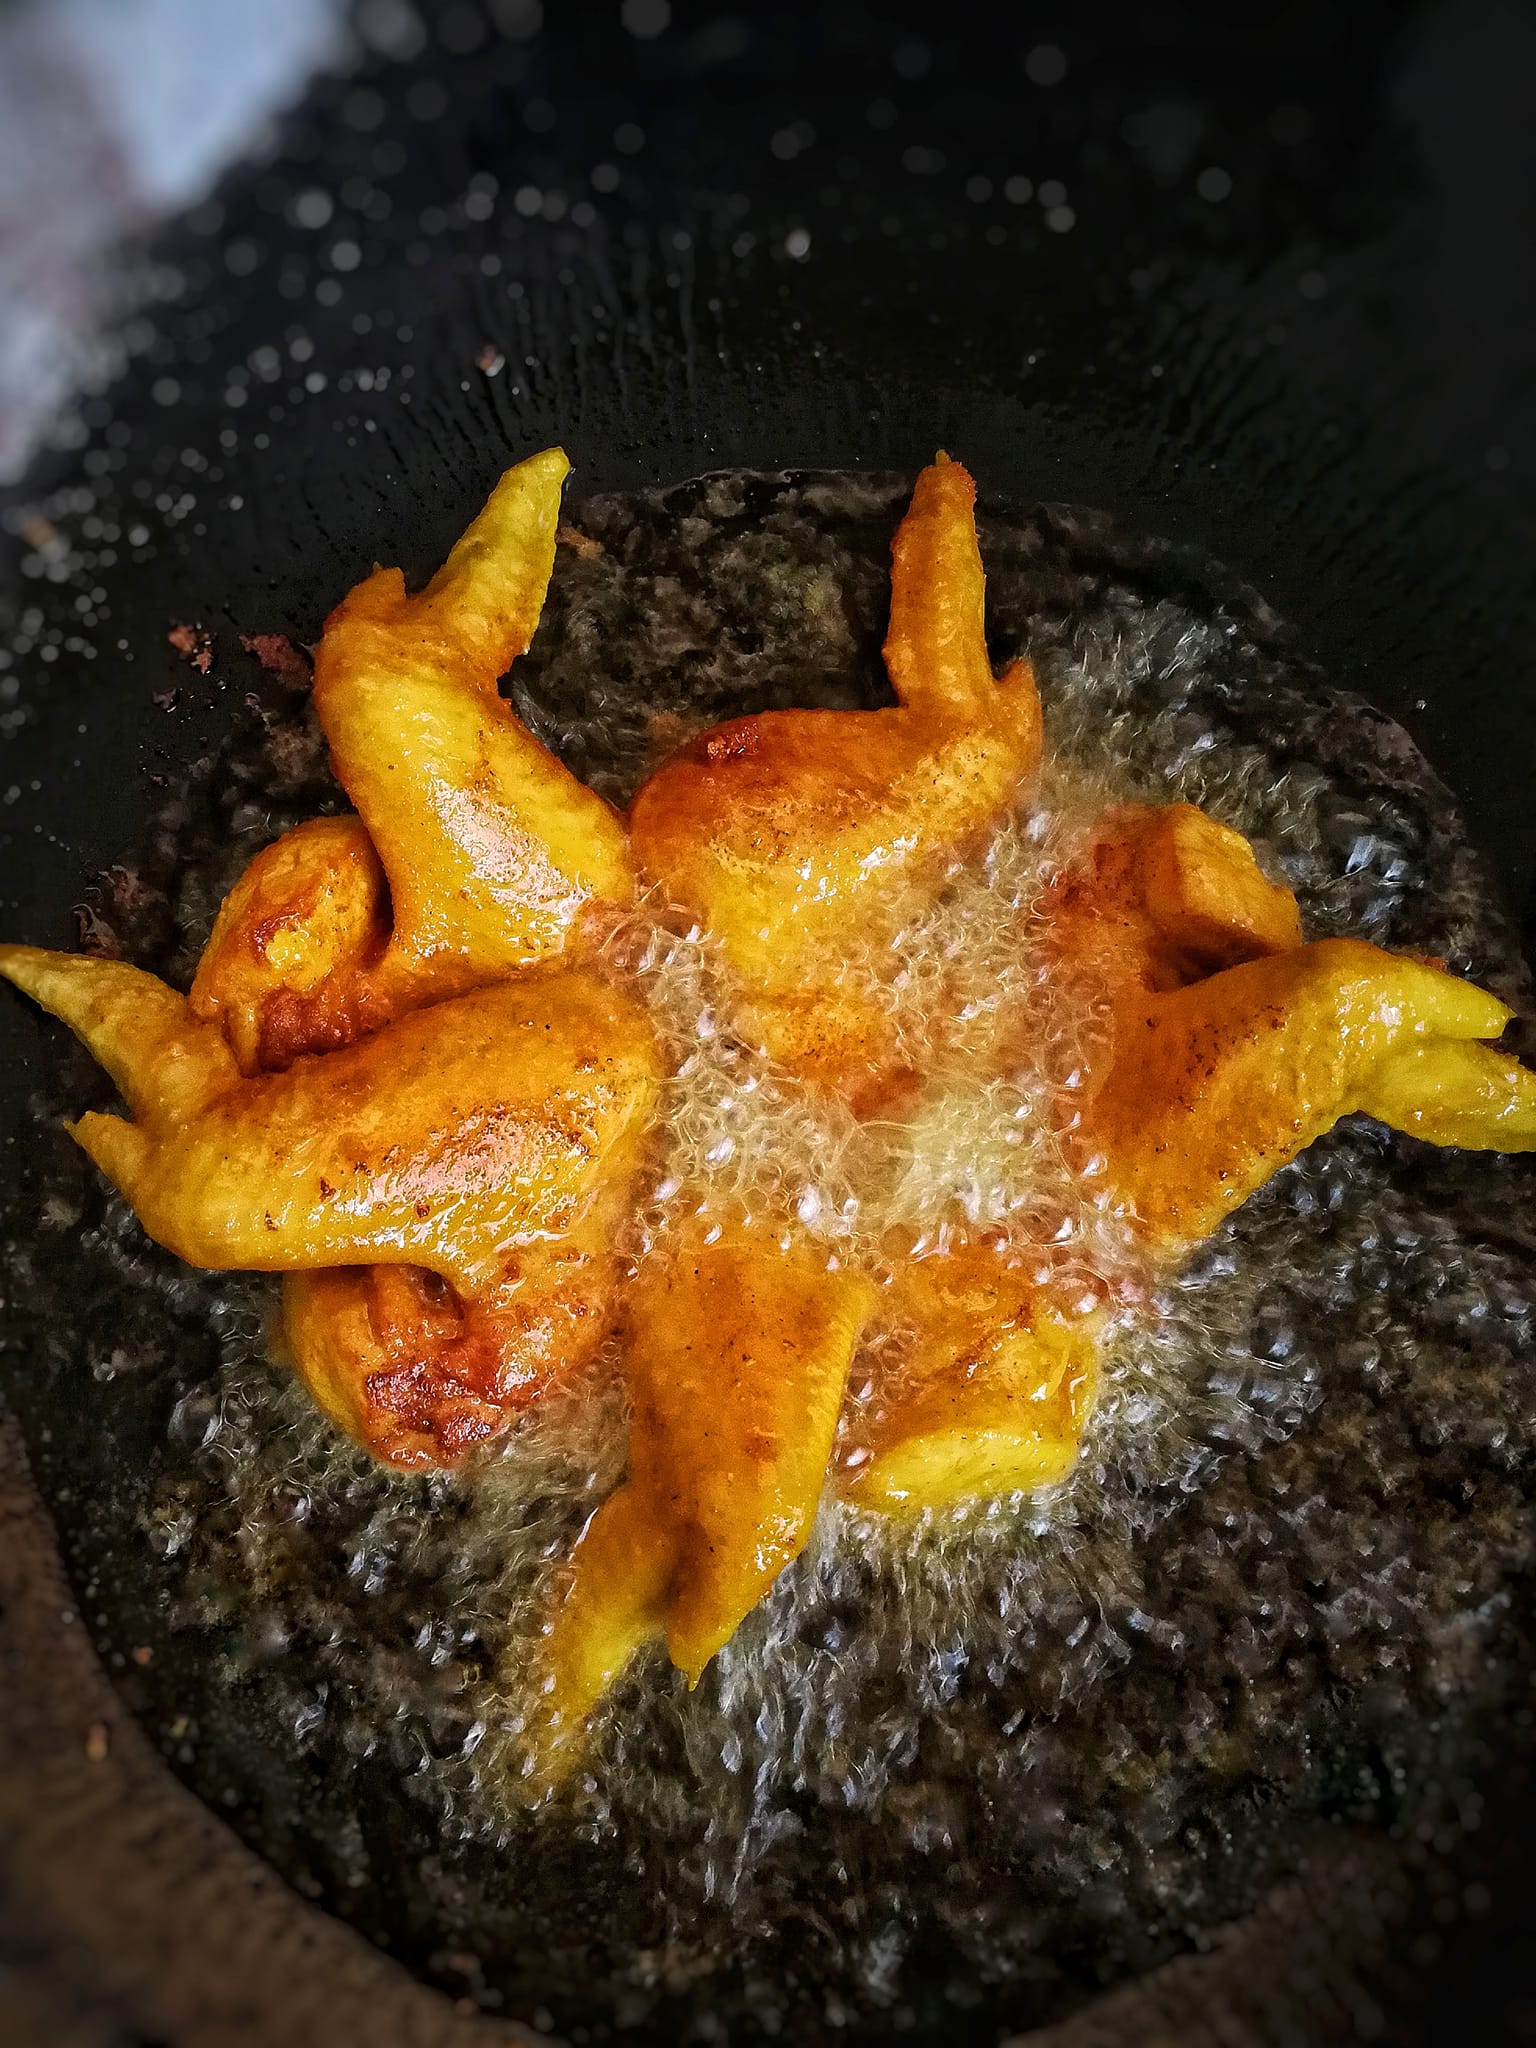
column 1326, row 378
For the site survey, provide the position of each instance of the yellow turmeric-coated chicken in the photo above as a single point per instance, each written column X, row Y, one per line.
column 1232, row 1045
column 737, row 1347
column 799, row 837
column 477, row 1120
column 411, row 1078
column 474, row 852
column 478, row 1140
column 995, row 1385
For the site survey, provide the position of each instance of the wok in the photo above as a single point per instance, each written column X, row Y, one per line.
column 802, row 252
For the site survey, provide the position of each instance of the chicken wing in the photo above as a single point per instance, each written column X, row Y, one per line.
column 1232, row 1045
column 798, row 836
column 474, row 851
column 737, row 1349
column 491, row 1139
column 1212, row 1088
column 437, row 1142
column 491, row 847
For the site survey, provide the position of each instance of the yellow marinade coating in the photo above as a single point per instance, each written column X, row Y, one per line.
column 737, row 1350
column 1232, row 1044
column 439, row 1141
column 998, row 1378
column 474, row 851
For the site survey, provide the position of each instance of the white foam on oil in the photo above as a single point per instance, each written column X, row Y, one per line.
column 894, row 1658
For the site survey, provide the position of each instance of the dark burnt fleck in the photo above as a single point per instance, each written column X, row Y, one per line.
column 279, row 657
column 194, row 644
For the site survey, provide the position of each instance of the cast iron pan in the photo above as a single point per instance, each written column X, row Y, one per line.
column 804, row 254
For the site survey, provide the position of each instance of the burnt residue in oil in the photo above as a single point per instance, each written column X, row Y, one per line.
column 964, row 1772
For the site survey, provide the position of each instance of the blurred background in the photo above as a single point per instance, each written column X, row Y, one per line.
column 114, row 114
column 1255, row 279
